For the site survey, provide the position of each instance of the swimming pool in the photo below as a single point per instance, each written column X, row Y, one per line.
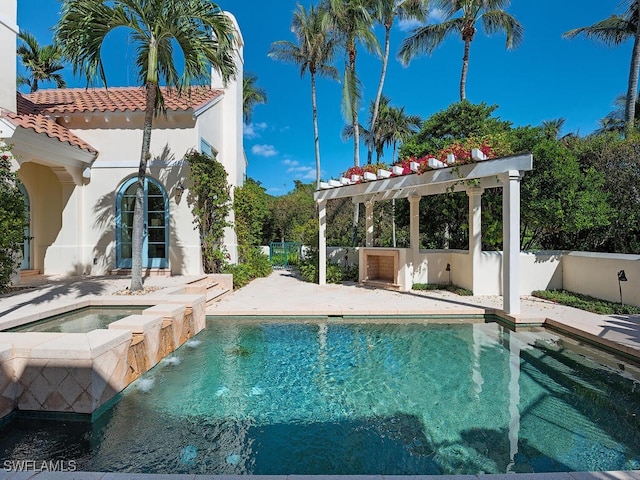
column 354, row 398
column 79, row 321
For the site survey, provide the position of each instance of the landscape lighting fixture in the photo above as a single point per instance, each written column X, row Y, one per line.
column 621, row 278
column 448, row 269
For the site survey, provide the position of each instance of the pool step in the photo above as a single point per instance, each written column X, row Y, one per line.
column 209, row 285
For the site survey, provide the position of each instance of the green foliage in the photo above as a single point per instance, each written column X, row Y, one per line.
column 251, row 208
column 12, row 220
column 585, row 302
column 292, row 211
column 562, row 203
column 618, row 160
column 459, row 121
column 255, row 265
column 336, row 273
column 449, row 288
column 211, row 205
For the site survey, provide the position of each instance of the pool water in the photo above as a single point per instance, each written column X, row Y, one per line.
column 353, row 398
column 79, row 321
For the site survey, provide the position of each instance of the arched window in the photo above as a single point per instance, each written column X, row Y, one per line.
column 155, row 243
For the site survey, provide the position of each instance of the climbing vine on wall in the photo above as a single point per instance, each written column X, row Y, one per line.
column 211, row 200
column 13, row 218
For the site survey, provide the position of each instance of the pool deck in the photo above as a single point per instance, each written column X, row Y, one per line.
column 284, row 294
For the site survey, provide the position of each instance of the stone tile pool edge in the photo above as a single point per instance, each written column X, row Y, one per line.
column 78, row 373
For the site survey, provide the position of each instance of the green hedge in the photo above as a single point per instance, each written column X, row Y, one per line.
column 585, row 302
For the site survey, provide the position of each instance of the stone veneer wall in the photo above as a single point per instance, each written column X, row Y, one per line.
column 78, row 372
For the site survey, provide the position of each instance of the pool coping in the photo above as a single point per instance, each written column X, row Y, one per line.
column 78, row 475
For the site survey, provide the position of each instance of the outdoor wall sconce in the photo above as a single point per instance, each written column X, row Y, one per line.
column 179, row 192
column 621, row 278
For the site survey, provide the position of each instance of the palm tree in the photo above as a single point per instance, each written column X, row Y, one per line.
column 386, row 12
column 352, row 21
column 198, row 27
column 252, row 95
column 614, row 121
column 393, row 126
column 613, row 31
column 42, row 63
column 553, row 127
column 313, row 52
column 398, row 127
column 490, row 12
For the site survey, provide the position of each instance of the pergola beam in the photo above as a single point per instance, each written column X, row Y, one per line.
column 432, row 182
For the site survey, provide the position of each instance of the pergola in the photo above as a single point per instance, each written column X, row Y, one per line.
column 473, row 178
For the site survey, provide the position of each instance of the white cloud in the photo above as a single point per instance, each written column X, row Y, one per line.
column 264, row 150
column 253, row 129
column 407, row 25
column 436, row 15
column 299, row 172
column 310, row 175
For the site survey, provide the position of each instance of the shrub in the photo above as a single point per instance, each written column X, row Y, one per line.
column 12, row 220
column 585, row 302
column 255, row 265
column 449, row 288
column 335, row 273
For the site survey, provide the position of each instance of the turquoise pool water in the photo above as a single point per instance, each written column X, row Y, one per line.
column 340, row 398
column 79, row 321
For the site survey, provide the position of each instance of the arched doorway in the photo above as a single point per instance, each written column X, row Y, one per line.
column 155, row 244
column 26, row 241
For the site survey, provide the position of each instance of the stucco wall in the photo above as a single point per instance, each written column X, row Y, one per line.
column 596, row 274
column 8, row 31
column 118, row 138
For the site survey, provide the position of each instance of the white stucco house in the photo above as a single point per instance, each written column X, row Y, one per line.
column 76, row 152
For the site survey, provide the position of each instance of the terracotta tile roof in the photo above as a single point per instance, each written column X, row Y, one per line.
column 121, row 99
column 36, row 109
column 45, row 125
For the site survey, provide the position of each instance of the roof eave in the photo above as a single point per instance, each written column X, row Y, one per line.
column 200, row 109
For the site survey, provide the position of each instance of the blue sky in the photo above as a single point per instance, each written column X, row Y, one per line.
column 545, row 78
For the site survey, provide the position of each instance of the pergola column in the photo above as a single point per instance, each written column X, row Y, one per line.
column 475, row 235
column 414, row 222
column 511, row 242
column 369, row 222
column 322, row 242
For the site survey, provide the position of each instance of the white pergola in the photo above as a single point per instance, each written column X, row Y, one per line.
column 473, row 178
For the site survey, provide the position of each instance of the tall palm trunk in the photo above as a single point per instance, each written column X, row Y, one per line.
column 632, row 90
column 316, row 137
column 139, row 227
column 356, row 132
column 383, row 74
column 465, row 69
